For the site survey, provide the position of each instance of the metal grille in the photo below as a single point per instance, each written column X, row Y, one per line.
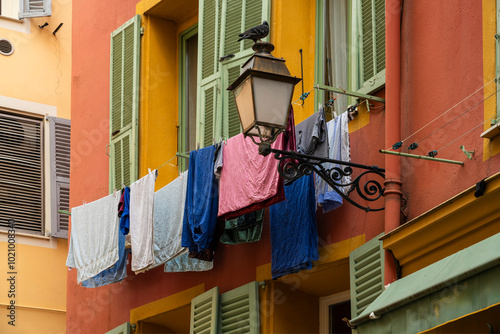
column 21, row 172
column 6, row 47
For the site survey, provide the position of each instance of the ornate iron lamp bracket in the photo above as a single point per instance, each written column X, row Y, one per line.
column 293, row 165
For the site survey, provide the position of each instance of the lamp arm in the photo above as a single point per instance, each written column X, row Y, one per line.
column 293, row 165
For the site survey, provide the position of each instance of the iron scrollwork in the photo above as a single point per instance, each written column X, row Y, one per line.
column 294, row 165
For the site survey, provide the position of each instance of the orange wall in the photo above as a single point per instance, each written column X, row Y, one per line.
column 107, row 307
column 442, row 64
column 93, row 22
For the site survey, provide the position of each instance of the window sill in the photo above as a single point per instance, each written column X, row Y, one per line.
column 11, row 19
column 38, row 236
column 492, row 132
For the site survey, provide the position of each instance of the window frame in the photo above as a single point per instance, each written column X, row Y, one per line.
column 324, row 304
column 183, row 128
column 355, row 62
column 49, row 225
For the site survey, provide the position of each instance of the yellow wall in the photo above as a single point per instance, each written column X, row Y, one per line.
column 490, row 147
column 36, row 79
column 293, row 28
column 160, row 73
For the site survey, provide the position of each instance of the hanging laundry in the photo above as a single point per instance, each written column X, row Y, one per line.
column 339, row 149
column 249, row 181
column 294, row 236
column 244, row 229
column 183, row 263
column 116, row 273
column 93, row 245
column 311, row 135
column 124, row 211
column 141, row 221
column 168, row 218
column 202, row 199
column 219, row 153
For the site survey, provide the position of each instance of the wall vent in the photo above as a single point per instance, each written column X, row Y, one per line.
column 6, row 47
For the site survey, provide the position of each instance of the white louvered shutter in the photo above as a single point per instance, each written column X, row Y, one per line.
column 124, row 103
column 239, row 310
column 60, row 143
column 204, row 312
column 366, row 265
column 21, row 173
column 35, row 8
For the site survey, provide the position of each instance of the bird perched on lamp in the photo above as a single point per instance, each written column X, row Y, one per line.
column 256, row 33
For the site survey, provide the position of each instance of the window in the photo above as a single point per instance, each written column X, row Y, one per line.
column 333, row 309
column 235, row 309
column 187, row 105
column 35, row 8
column 350, row 50
column 219, row 60
column 22, row 173
column 124, row 103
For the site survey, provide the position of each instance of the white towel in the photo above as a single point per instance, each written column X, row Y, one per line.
column 184, row 263
column 93, row 245
column 141, row 221
column 168, row 218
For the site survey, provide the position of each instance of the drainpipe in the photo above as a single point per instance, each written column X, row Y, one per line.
column 392, row 183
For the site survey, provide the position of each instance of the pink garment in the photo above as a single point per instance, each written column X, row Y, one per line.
column 248, row 181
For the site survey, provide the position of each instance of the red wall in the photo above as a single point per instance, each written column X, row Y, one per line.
column 442, row 63
column 93, row 22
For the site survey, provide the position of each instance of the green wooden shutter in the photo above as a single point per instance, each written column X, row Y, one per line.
column 233, row 17
column 373, row 43
column 204, row 312
column 122, row 329
column 124, row 103
column 239, row 310
column 208, row 71
column 366, row 265
column 238, row 16
column 35, row 8
column 209, row 96
column 60, row 143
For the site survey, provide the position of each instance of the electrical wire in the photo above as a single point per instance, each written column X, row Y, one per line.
column 457, row 117
column 447, row 111
column 474, row 128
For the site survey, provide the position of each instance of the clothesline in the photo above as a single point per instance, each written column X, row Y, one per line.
column 156, row 219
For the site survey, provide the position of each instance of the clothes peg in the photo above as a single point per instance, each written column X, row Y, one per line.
column 469, row 154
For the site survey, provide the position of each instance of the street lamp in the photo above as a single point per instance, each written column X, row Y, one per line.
column 263, row 94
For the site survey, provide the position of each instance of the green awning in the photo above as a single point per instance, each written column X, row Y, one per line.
column 457, row 285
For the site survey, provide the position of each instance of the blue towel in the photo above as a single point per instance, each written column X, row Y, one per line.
column 114, row 274
column 202, row 201
column 125, row 217
column 294, row 236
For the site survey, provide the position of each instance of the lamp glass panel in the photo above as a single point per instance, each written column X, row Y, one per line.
column 244, row 103
column 272, row 101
